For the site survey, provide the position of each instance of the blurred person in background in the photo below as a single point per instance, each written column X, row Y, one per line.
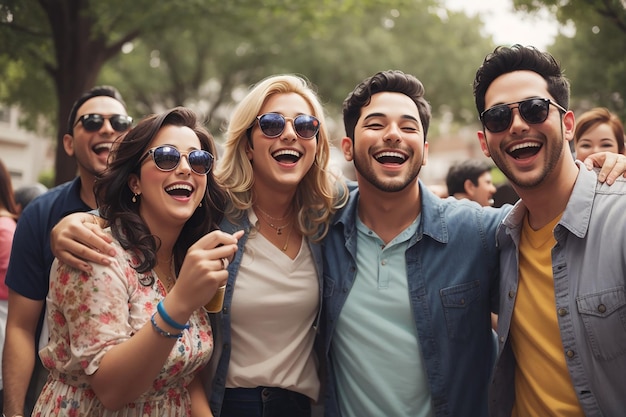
column 471, row 179
column 598, row 130
column 8, row 217
column 27, row 193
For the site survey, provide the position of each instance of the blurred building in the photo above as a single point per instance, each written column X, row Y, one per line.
column 25, row 153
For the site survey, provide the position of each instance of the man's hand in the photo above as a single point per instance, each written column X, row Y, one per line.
column 612, row 165
column 78, row 238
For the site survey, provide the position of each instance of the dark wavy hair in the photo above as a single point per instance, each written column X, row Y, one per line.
column 393, row 81
column 520, row 58
column 114, row 195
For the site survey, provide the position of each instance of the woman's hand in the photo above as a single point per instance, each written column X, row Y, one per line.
column 202, row 273
column 77, row 238
column 612, row 165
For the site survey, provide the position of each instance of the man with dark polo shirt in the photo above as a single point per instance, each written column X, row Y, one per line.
column 96, row 120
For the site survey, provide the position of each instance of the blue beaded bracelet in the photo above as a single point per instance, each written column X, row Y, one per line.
column 163, row 332
column 167, row 319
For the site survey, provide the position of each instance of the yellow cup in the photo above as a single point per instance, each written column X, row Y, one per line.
column 217, row 302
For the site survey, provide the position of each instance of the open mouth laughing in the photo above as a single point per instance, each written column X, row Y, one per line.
column 289, row 156
column 390, row 157
column 102, row 147
column 524, row 150
column 179, row 190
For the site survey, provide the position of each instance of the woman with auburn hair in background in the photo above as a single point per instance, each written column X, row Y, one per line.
column 598, row 130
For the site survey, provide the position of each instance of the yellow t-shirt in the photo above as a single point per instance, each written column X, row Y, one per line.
column 542, row 383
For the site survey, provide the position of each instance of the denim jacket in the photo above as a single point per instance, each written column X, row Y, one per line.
column 589, row 268
column 217, row 369
column 452, row 266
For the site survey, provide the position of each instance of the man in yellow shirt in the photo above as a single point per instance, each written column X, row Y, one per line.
column 562, row 322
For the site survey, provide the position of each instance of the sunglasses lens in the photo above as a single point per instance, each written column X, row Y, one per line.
column 166, row 158
column 200, row 162
column 306, row 126
column 497, row 118
column 272, row 124
column 534, row 110
column 92, row 122
column 121, row 123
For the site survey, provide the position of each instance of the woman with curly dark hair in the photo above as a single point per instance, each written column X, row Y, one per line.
column 129, row 338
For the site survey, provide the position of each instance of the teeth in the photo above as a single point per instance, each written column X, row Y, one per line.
column 290, row 152
column 179, row 187
column 524, row 146
column 104, row 145
column 390, row 154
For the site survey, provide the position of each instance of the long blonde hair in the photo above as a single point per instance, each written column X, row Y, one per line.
column 318, row 195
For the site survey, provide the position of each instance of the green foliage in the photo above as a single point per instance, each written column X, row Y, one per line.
column 335, row 45
column 593, row 58
column 205, row 53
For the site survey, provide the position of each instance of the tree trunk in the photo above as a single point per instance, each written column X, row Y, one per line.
column 80, row 55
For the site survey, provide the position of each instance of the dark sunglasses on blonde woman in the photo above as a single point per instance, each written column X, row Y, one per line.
column 273, row 125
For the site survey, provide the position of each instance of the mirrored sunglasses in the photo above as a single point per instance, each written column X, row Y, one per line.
column 273, row 125
column 93, row 122
column 534, row 110
column 167, row 158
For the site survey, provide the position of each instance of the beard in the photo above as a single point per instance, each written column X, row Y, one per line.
column 364, row 168
column 551, row 160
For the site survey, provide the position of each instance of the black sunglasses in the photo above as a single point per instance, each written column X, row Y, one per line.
column 167, row 158
column 273, row 124
column 533, row 110
column 93, row 122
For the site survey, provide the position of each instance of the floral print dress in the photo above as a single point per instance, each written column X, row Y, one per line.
column 88, row 314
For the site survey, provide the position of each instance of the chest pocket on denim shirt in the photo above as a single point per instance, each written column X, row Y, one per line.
column 604, row 317
column 459, row 307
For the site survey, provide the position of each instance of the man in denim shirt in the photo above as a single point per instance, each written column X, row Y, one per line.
column 409, row 279
column 562, row 324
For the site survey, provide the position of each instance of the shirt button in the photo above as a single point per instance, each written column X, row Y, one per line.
column 501, row 339
column 383, row 262
column 562, row 312
column 602, row 308
column 511, row 294
column 570, row 353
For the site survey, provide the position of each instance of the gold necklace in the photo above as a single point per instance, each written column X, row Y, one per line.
column 274, row 218
column 169, row 281
column 286, row 245
column 278, row 228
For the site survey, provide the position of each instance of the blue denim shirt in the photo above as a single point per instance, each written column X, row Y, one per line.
column 452, row 266
column 589, row 268
column 217, row 369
